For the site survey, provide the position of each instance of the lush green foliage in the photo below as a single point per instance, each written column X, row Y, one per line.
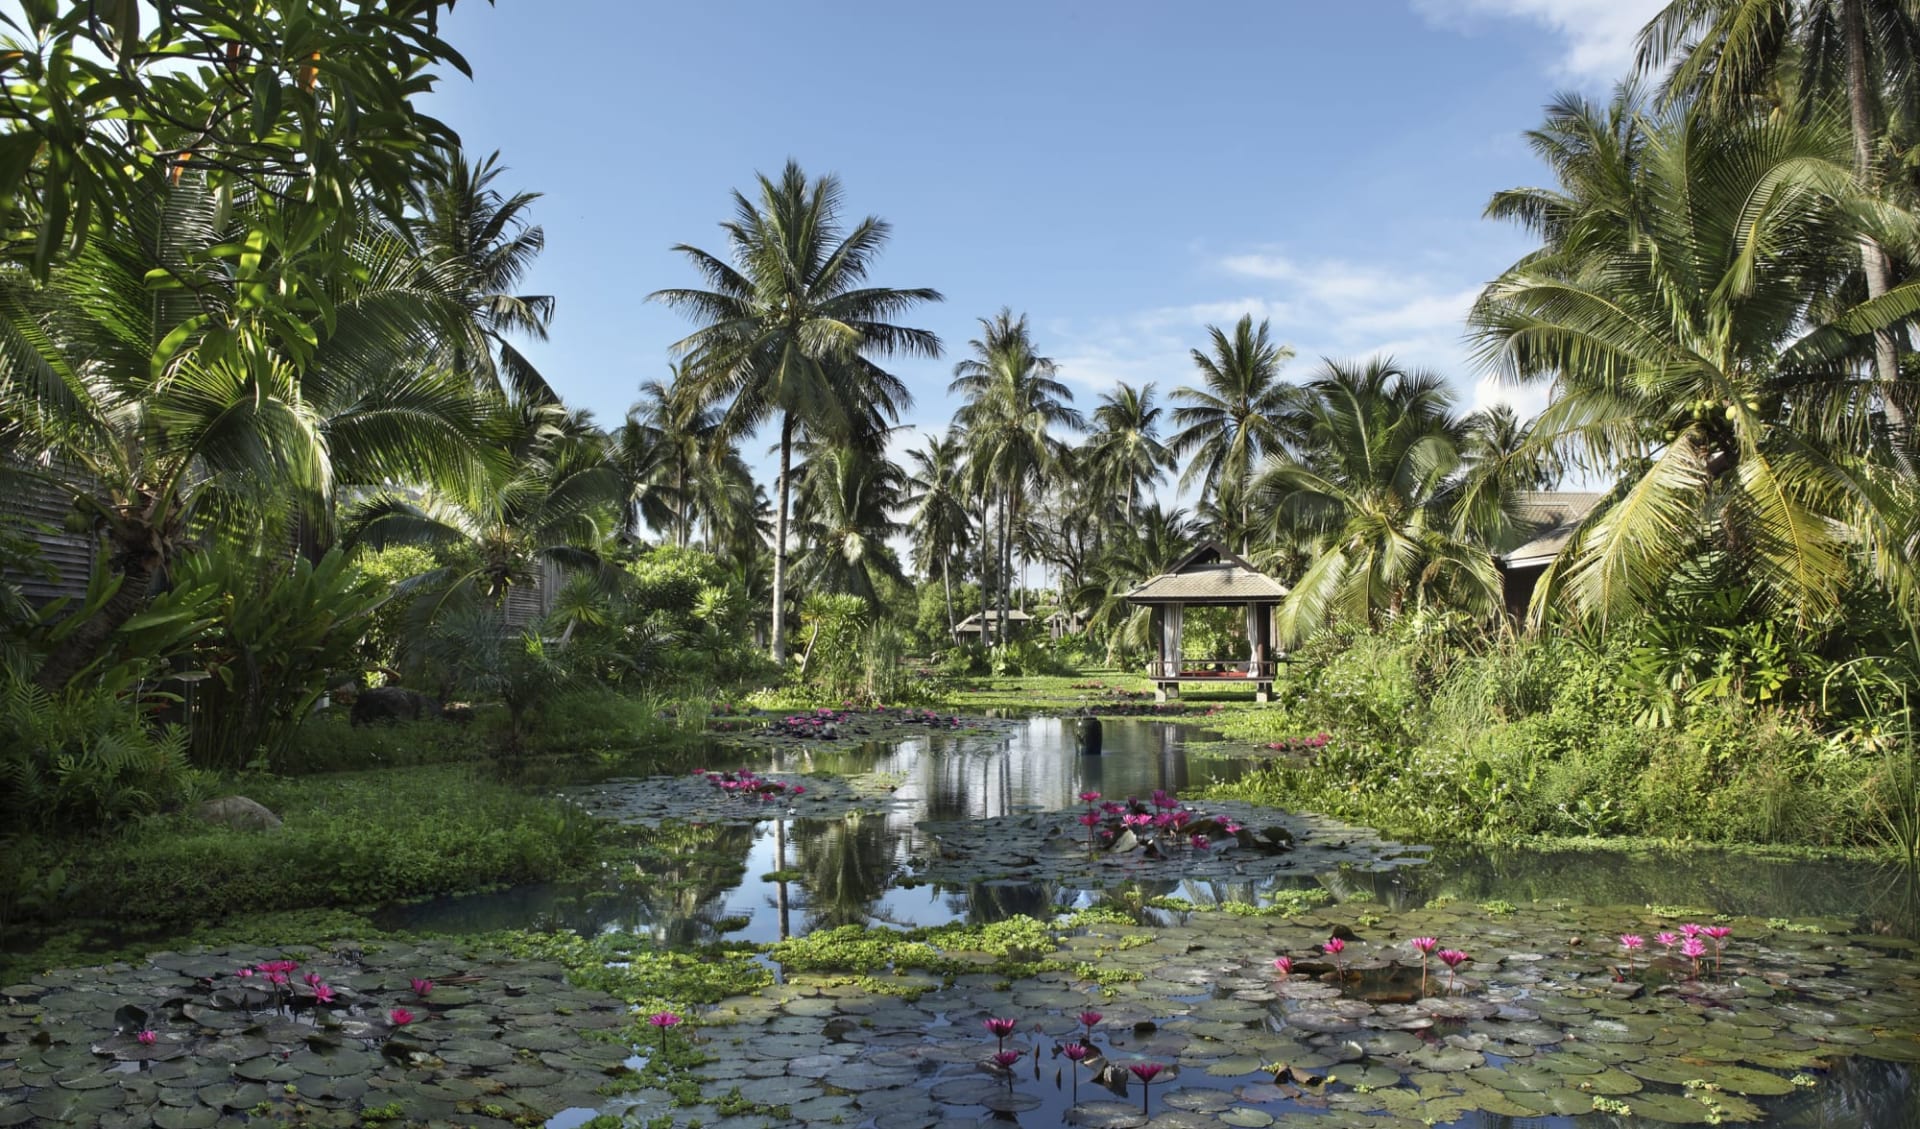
column 1436, row 736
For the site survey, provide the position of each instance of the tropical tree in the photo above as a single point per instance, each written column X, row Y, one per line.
column 1233, row 418
column 1728, row 53
column 939, row 522
column 790, row 330
column 1012, row 399
column 150, row 387
column 1144, row 548
column 1125, row 448
column 693, row 449
column 844, row 514
column 556, row 501
column 1371, row 495
column 1676, row 341
column 481, row 243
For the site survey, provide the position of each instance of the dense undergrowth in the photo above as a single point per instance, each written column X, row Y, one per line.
column 1434, row 741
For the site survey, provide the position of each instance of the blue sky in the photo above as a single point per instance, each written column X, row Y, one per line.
column 1126, row 172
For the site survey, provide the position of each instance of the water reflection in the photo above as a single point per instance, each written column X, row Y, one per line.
column 685, row 885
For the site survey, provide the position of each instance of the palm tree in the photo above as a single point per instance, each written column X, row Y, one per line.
column 790, row 330
column 1371, row 495
column 1234, row 418
column 940, row 523
column 844, row 514
column 556, row 501
column 641, row 457
column 1731, row 51
column 1125, row 446
column 692, row 448
column 483, row 239
column 164, row 407
column 1012, row 399
column 1675, row 337
column 1150, row 545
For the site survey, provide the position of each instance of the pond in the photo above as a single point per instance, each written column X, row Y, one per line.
column 1134, row 957
column 1811, row 1023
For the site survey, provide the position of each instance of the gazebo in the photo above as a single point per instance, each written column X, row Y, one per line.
column 1210, row 576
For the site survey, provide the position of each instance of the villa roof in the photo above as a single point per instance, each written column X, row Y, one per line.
column 972, row 622
column 1210, row 575
column 1547, row 519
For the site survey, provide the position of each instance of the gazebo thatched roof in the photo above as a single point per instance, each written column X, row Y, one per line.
column 1210, row 575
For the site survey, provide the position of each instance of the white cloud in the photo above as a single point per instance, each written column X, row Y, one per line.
column 1598, row 35
column 1333, row 308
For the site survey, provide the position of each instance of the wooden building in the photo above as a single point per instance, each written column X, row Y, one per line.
column 1210, row 576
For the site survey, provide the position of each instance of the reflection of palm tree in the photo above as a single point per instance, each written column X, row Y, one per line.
column 848, row 863
column 998, row 901
column 684, row 901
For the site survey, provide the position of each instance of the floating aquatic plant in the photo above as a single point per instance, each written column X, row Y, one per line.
column 1453, row 959
column 1000, row 1029
column 1632, row 943
column 1075, row 1053
column 1146, row 1072
column 1333, row 947
column 1284, row 966
column 664, row 1021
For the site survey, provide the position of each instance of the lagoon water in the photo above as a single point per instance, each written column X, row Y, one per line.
column 789, row 876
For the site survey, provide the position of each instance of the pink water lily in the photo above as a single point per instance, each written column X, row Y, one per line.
column 1719, row 934
column 1089, row 797
column 1000, row 1029
column 1453, row 959
column 1200, row 842
column 1667, row 940
column 1693, row 948
column 1283, row 965
column 1632, row 942
column 664, row 1021
column 421, row 988
column 1146, row 1072
column 322, row 993
column 147, row 1038
column 400, row 1017
column 1006, row 1059
column 1333, row 947
column 1076, row 1053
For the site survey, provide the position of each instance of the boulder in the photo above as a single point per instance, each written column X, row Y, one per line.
column 392, row 703
column 237, row 812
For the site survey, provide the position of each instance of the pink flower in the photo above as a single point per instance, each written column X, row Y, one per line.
column 1076, row 1051
column 322, row 993
column 1694, row 948
column 1690, row 929
column 147, row 1038
column 1112, row 808
column 1146, row 1071
column 799, row 789
column 1090, row 1019
column 1667, row 940
column 1718, row 932
column 1089, row 797
column 311, row 978
column 1283, row 965
column 1631, row 941
column 422, row 988
column 1006, row 1059
column 664, row 1019
column 276, row 978
column 1161, row 799
column 400, row 1017
column 1453, row 958
column 1000, row 1028
column 1425, row 945
column 1089, row 819
column 1201, row 842
column 245, row 974
column 1334, row 946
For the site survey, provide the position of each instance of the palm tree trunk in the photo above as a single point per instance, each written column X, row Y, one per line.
column 946, row 582
column 1873, row 258
column 779, row 632
column 1006, row 564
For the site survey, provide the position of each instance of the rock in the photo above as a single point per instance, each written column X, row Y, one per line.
column 237, row 812
column 392, row 703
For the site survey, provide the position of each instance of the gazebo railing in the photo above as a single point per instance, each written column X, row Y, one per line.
column 1193, row 669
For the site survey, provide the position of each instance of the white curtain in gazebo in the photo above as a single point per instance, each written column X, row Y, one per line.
column 1170, row 638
